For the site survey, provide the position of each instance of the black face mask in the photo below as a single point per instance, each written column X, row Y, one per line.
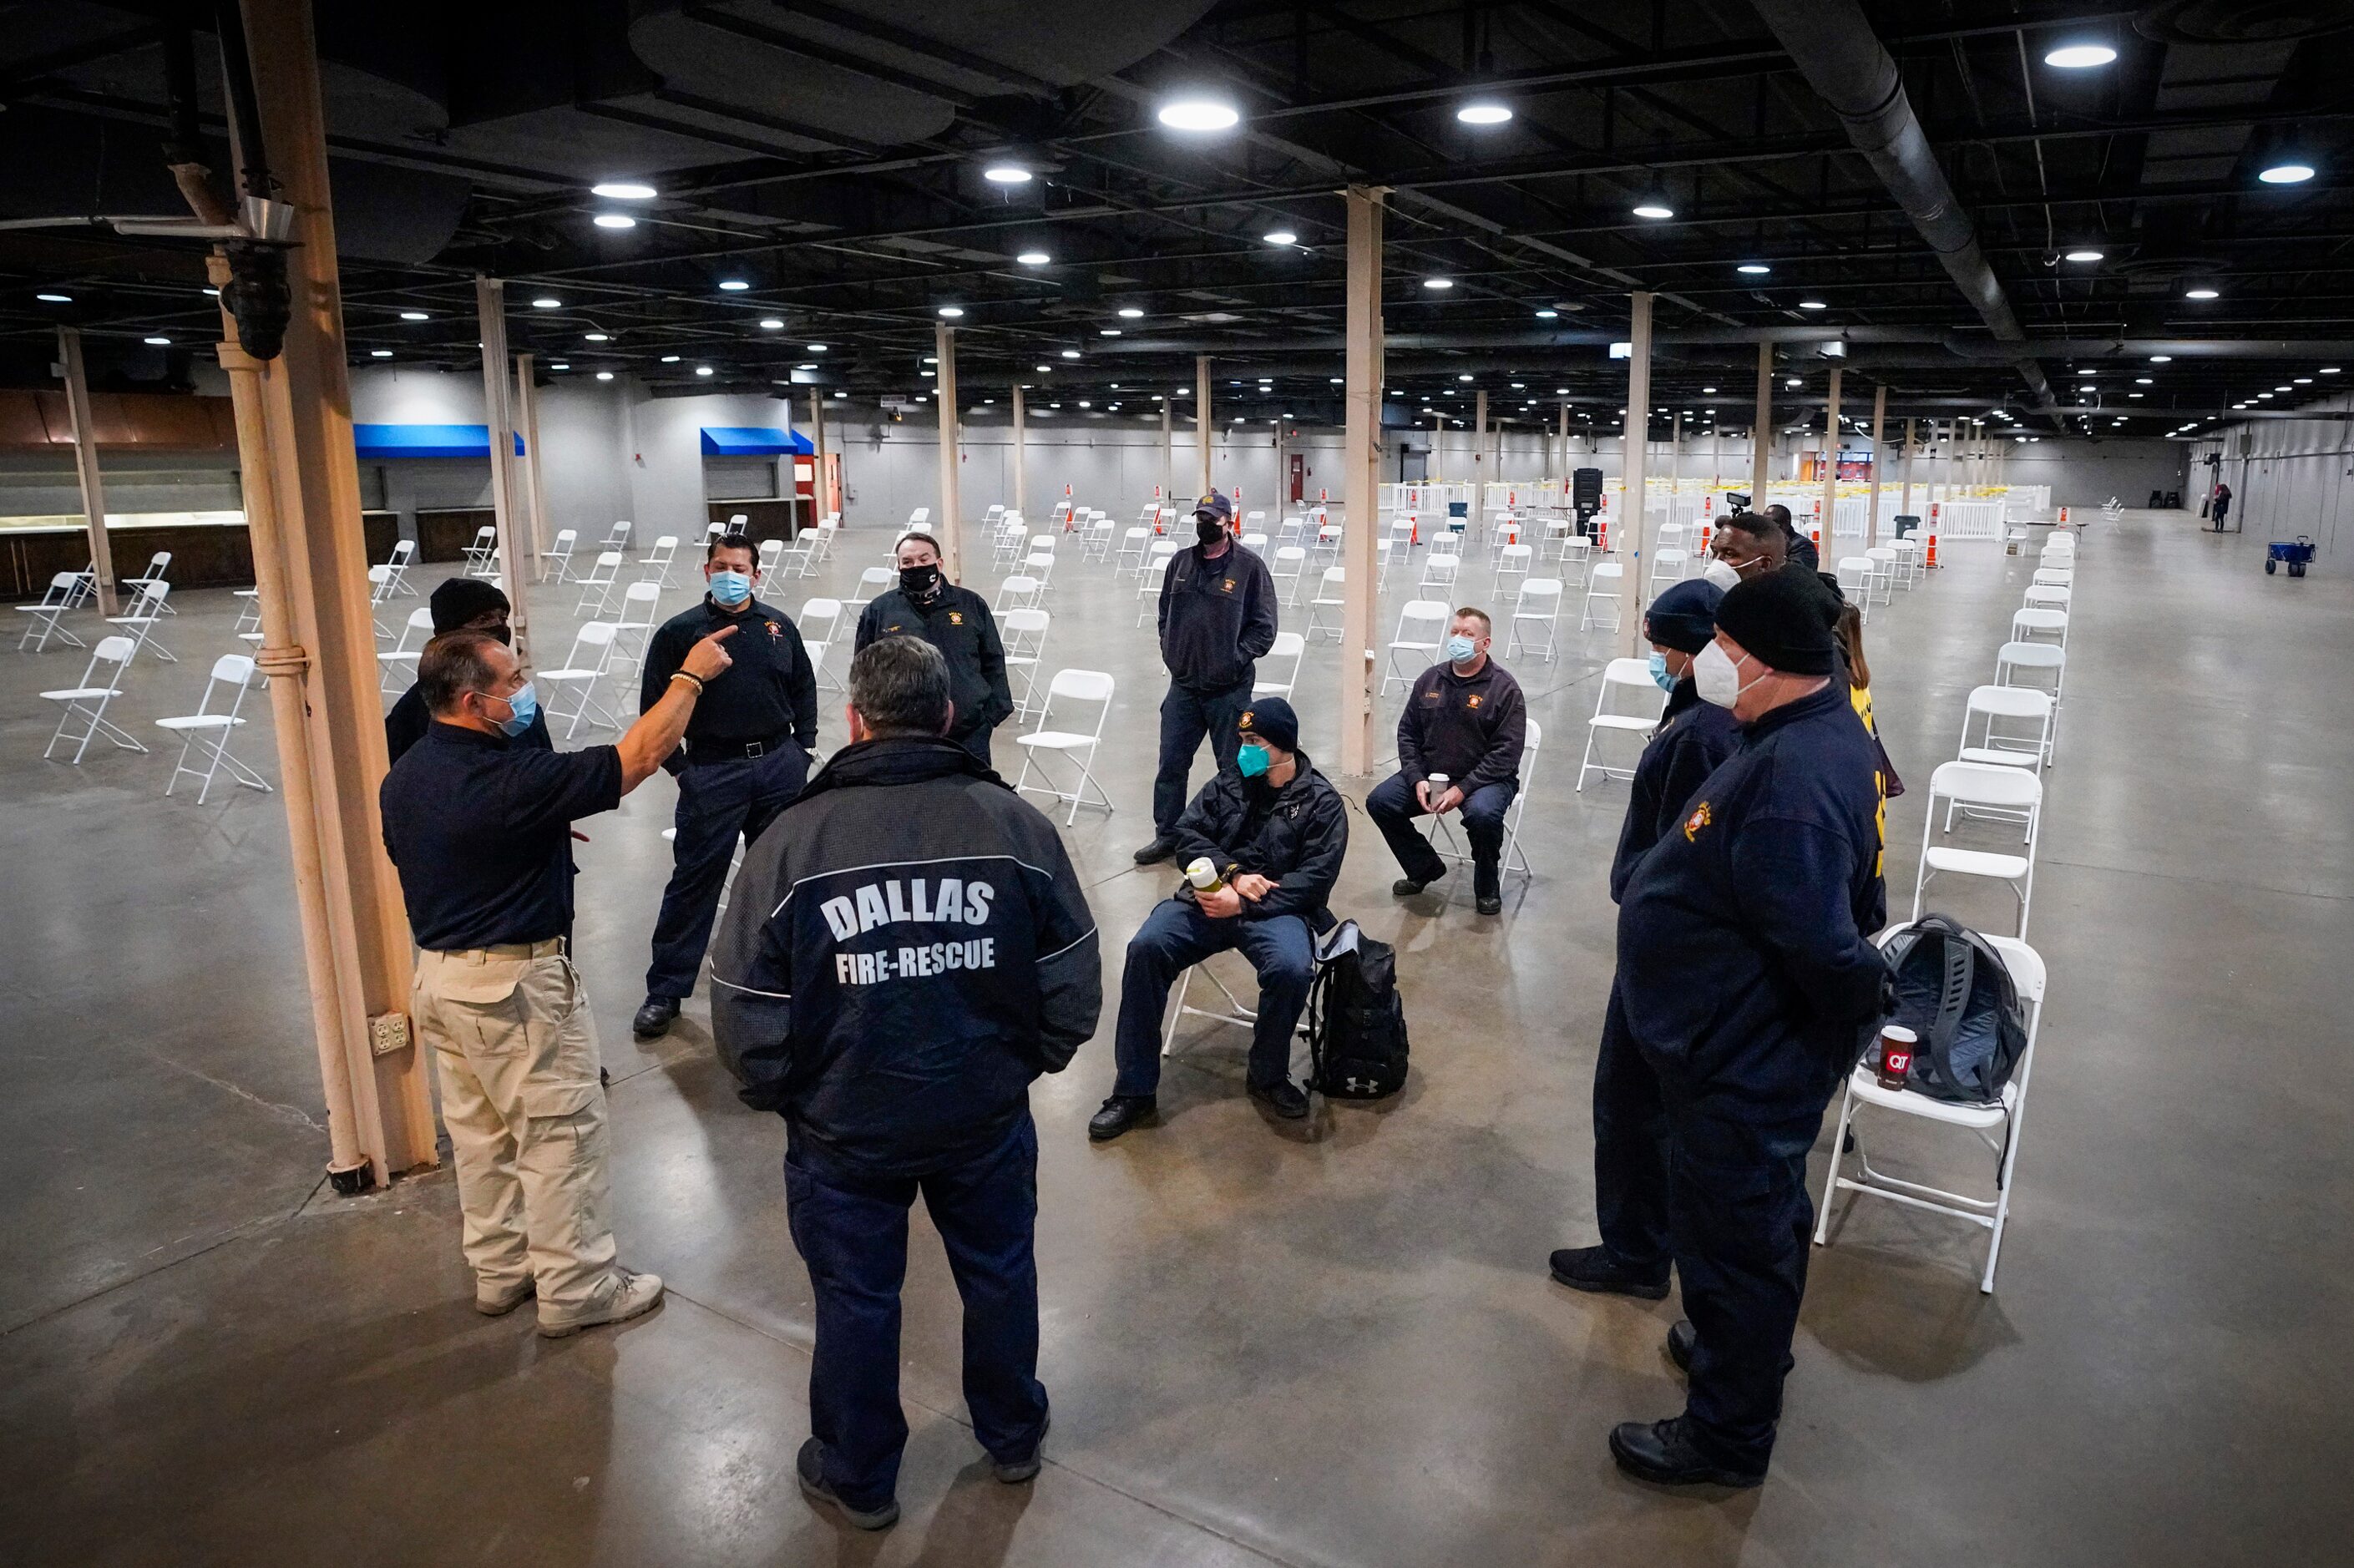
column 1209, row 530
column 919, row 582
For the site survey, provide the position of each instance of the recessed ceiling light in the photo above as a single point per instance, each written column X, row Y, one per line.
column 623, row 190
column 1199, row 114
column 2263, row 397
column 1813, row 305
column 1336, row 381
column 2080, row 56
column 1034, row 258
column 1280, row 237
column 2287, row 174
column 604, row 375
column 1130, row 313
column 733, row 285
column 380, row 353
column 703, row 370
column 924, row 373
column 1070, row 353
column 559, row 365
column 1438, row 282
column 2329, row 370
column 614, row 220
column 1483, row 113
column 55, row 299
column 1107, row 331
column 547, row 302
column 596, row 337
column 2282, row 387
column 951, row 312
column 2136, row 394
column 2302, row 380
column 2085, row 255
column 771, row 324
column 1006, row 174
column 414, row 316
column 670, row 359
column 2199, row 294
column 159, row 342
column 1043, row 368
column 1754, row 269
column 1792, row 382
column 1548, row 315
column 1653, row 209
column 2143, row 381
column 2162, row 359
column 2088, row 373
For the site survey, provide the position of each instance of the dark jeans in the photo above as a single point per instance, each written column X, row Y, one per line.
column 1175, row 936
column 853, row 1233
column 1741, row 1218
column 718, row 803
column 1630, row 1150
column 1393, row 808
column 1185, row 718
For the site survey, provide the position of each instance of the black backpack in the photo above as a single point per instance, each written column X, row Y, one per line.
column 1356, row 1025
column 1954, row 992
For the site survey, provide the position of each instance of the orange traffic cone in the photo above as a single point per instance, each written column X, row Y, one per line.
column 1704, row 532
column 1602, row 534
column 1933, row 551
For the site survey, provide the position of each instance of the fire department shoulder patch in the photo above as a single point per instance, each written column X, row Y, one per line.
column 1700, row 818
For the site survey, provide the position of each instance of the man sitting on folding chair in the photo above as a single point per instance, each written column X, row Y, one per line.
column 1460, row 743
column 1276, row 833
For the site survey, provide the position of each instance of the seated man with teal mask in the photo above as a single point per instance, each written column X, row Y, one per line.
column 1274, row 833
column 1460, row 739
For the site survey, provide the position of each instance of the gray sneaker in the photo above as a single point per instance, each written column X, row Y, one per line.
column 635, row 1295
column 498, row 1303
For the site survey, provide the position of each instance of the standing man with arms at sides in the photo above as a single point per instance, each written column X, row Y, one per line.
column 1465, row 719
column 1630, row 1120
column 747, row 753
column 906, row 950
column 1748, row 979
column 957, row 622
column 1218, row 617
column 1275, row 834
column 1795, row 545
column 478, row 826
column 459, row 604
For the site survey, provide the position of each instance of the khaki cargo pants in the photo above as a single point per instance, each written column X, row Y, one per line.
column 511, row 1030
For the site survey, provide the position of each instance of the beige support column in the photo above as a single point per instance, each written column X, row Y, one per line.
column 1905, row 502
column 1202, row 418
column 1761, row 459
column 1872, row 502
column 951, row 519
column 535, row 482
column 498, row 409
column 818, row 494
column 1675, row 450
column 1566, row 461
column 93, row 489
column 1168, row 457
column 1360, row 477
column 323, row 635
column 1637, row 444
column 1482, row 470
column 1021, row 473
column 1830, row 460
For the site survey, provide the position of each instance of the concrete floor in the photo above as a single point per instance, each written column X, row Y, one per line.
column 1332, row 1343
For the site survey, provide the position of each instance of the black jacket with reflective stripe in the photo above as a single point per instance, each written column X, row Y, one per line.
column 905, row 948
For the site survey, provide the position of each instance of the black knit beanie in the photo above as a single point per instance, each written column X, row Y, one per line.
column 1784, row 621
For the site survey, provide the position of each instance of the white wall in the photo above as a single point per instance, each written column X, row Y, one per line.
column 2289, row 476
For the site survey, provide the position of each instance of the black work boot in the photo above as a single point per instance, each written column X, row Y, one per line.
column 1283, row 1098
column 1664, row 1452
column 655, row 1017
column 1681, row 1336
column 1118, row 1113
column 1487, row 888
column 1160, row 848
column 1598, row 1268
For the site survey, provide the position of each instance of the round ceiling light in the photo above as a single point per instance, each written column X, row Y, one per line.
column 2085, row 255
column 1280, row 237
column 1199, row 114
column 1129, row 313
column 380, row 353
column 703, row 370
column 414, row 316
column 1654, row 209
column 670, row 359
column 55, row 299
column 158, row 342
column 623, row 190
column 771, row 324
column 1813, row 305
column 1548, row 315
column 615, row 220
column 1070, row 353
column 1483, row 113
column 951, row 312
column 2287, row 174
column 733, row 285
column 1006, row 174
column 2201, row 294
column 1754, row 269
column 2162, row 359
column 596, row 337
column 604, row 375
column 1438, row 282
column 2080, row 56
column 547, row 302
column 1034, row 258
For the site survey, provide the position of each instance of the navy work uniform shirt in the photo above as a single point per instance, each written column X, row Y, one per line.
column 769, row 692
column 479, row 827
column 1693, row 736
column 1470, row 727
column 957, row 622
column 1217, row 617
column 1746, row 963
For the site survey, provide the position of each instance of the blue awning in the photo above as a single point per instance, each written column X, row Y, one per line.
column 379, row 441
column 753, row 441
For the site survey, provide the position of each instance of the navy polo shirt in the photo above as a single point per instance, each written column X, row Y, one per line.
column 480, row 830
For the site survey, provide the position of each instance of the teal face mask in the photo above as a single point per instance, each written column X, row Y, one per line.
column 1253, row 761
column 730, row 587
column 522, row 706
column 1459, row 650
column 1660, row 676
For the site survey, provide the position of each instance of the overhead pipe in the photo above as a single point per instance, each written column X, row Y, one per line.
column 1844, row 61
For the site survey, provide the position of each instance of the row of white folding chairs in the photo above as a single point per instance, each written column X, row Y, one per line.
column 203, row 735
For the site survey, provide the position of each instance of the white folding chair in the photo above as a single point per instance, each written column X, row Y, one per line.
column 1095, row 544
column 1017, row 592
column 1288, row 645
column 593, row 651
column 2012, row 725
column 873, row 583
column 2034, row 664
column 248, row 617
column 1255, row 543
column 1132, row 546
column 403, row 551
column 1040, row 564
column 402, row 657
column 1514, row 561
column 1422, row 626
column 142, row 615
column 638, row 614
column 1883, row 571
column 654, row 566
column 482, row 554
column 770, row 554
column 1855, row 581
column 1007, row 543
column 1287, row 567
column 919, row 517
column 821, row 624
column 1078, row 747
column 1156, row 564
column 2035, row 624
column 559, row 553
column 616, row 538
column 379, row 589
column 1602, row 589
column 211, row 730
column 2054, row 576
column 597, row 585
column 1577, row 560
column 2029, row 981
column 1666, row 568
column 1023, row 632
column 1442, row 566
column 88, row 700
column 1620, row 675
column 1514, row 859
column 2041, row 598
column 1330, row 596
column 159, row 567
column 42, row 624
column 1293, row 530
column 1977, row 789
column 1908, row 561
column 1327, row 543
column 1240, row 1016
column 1538, row 604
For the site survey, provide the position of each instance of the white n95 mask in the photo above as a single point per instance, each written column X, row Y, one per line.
column 1717, row 678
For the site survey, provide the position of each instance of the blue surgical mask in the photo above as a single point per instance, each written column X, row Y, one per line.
column 1660, row 675
column 730, row 587
column 1459, row 650
column 1253, row 761
column 522, row 706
